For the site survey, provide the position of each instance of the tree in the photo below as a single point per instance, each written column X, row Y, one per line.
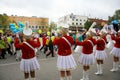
column 116, row 16
column 4, row 21
column 52, row 26
column 87, row 24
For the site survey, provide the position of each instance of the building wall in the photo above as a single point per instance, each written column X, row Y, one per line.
column 78, row 21
column 74, row 21
column 34, row 22
column 99, row 21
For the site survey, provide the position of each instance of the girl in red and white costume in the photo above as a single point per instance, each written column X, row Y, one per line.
column 29, row 62
column 87, row 57
column 65, row 61
column 100, row 54
column 116, row 51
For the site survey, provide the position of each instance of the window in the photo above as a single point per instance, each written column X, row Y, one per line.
column 80, row 23
column 80, row 20
column 36, row 26
column 72, row 23
column 76, row 23
column 39, row 26
column 76, row 19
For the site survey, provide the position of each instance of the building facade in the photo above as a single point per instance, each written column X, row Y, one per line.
column 98, row 21
column 35, row 23
column 74, row 22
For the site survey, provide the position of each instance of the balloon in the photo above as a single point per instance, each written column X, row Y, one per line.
column 16, row 27
column 1, row 31
column 12, row 27
column 20, row 24
column 115, row 22
column 14, row 31
column 48, row 33
column 40, row 31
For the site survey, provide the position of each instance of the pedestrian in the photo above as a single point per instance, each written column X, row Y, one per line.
column 42, row 39
column 80, row 39
column 29, row 63
column 116, row 51
column 18, row 52
column 51, row 46
column 65, row 60
column 3, row 46
column 74, row 39
column 9, row 43
column 100, row 53
column 87, row 56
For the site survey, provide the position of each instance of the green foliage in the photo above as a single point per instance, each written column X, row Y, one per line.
column 87, row 24
column 115, row 16
column 52, row 26
column 4, row 21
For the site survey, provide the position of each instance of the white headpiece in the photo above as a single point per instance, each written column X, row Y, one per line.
column 27, row 31
column 65, row 25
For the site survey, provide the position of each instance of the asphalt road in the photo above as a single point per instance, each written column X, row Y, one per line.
column 9, row 69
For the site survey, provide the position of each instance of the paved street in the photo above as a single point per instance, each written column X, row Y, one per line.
column 9, row 69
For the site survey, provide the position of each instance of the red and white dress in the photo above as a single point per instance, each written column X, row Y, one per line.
column 65, row 59
column 29, row 61
column 87, row 55
column 100, row 49
column 116, row 49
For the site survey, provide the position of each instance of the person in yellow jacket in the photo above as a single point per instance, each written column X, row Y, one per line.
column 3, row 45
column 49, row 43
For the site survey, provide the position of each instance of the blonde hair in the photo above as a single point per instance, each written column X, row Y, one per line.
column 64, row 31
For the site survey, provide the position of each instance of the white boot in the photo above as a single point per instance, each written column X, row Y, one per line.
column 33, row 79
column 98, row 69
column 114, row 67
column 101, row 69
column 87, row 75
column 62, row 78
column 84, row 75
column 69, row 77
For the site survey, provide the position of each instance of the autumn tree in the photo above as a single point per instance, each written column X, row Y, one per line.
column 116, row 16
column 4, row 21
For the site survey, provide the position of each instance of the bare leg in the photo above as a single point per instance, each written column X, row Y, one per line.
column 68, row 73
column 26, row 75
column 32, row 74
column 62, row 75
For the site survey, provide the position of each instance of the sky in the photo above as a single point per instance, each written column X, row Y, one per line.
column 54, row 9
